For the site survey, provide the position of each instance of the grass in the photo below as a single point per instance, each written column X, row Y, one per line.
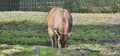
column 96, row 34
column 26, row 50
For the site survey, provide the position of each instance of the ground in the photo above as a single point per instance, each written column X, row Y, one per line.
column 23, row 33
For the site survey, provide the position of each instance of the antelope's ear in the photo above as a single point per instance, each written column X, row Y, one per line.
column 70, row 33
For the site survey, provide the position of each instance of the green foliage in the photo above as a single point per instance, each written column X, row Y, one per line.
column 8, row 5
column 116, row 7
column 93, row 6
column 41, row 7
column 82, row 6
column 106, row 9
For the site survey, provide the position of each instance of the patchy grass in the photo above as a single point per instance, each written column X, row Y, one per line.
column 81, row 49
column 42, row 51
column 78, row 18
column 93, row 34
column 14, row 50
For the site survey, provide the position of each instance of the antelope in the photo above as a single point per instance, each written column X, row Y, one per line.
column 59, row 22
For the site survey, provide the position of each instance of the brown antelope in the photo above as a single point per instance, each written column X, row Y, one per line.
column 59, row 23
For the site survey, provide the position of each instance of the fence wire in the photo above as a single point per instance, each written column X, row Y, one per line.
column 72, row 5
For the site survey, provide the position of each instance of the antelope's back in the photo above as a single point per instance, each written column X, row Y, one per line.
column 60, row 19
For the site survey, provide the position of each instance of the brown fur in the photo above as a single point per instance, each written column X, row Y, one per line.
column 59, row 22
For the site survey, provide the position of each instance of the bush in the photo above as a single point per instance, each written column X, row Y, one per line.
column 81, row 6
column 83, row 9
column 94, row 9
column 106, row 9
column 9, row 5
column 42, row 8
column 116, row 8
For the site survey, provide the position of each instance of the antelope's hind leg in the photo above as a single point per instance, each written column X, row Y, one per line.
column 59, row 42
column 56, row 40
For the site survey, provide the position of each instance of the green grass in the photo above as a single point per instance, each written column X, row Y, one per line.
column 42, row 51
column 90, row 32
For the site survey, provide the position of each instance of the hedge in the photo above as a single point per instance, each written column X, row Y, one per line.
column 82, row 6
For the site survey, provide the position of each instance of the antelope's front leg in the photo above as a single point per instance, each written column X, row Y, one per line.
column 50, row 32
column 65, row 42
column 59, row 42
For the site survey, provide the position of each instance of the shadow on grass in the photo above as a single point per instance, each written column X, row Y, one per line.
column 31, row 33
column 102, row 33
column 24, row 32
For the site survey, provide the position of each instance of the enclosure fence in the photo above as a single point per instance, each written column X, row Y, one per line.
column 72, row 5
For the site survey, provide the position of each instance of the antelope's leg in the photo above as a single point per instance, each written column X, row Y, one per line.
column 64, row 41
column 65, row 44
column 56, row 42
column 59, row 42
column 50, row 32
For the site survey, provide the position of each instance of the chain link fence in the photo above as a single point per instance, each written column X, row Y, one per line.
column 84, row 6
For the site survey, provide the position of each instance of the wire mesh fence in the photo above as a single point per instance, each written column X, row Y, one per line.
column 72, row 5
